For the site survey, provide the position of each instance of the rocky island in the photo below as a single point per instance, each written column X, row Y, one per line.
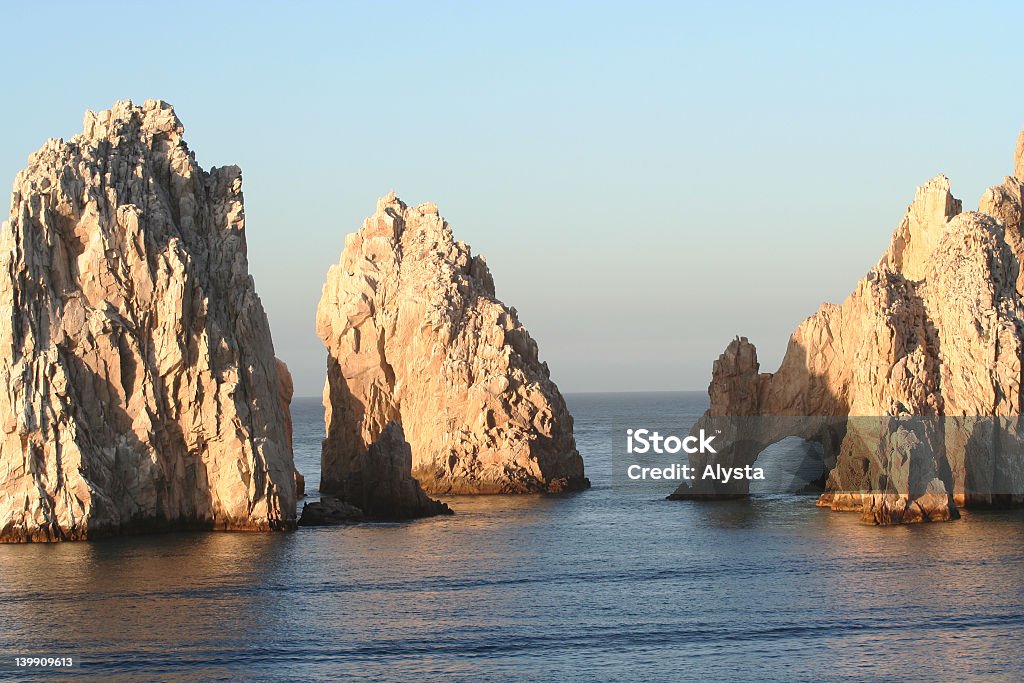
column 416, row 337
column 141, row 391
column 913, row 383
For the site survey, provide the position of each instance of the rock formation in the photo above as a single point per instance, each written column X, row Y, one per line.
column 285, row 391
column 378, row 485
column 140, row 386
column 330, row 511
column 916, row 377
column 388, row 488
column 416, row 335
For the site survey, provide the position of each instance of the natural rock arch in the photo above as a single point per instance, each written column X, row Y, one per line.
column 913, row 381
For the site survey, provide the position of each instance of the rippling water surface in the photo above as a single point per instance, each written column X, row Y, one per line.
column 596, row 585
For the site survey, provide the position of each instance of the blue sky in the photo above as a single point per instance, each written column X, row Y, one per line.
column 647, row 180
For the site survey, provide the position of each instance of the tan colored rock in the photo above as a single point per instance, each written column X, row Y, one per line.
column 921, row 229
column 415, row 335
column 1018, row 158
column 1004, row 202
column 285, row 392
column 934, row 331
column 140, row 386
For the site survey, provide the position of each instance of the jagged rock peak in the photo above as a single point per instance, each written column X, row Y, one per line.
column 415, row 334
column 155, row 118
column 141, row 386
column 922, row 228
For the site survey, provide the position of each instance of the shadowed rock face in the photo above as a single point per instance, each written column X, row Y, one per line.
column 934, row 330
column 378, row 485
column 388, row 488
column 415, row 335
column 140, row 386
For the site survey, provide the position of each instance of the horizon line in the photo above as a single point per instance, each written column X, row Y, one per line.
column 583, row 393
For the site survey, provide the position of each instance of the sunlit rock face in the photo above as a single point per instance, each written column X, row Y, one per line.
column 935, row 331
column 415, row 335
column 140, row 390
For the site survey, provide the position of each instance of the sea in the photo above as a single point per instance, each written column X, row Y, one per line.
column 600, row 585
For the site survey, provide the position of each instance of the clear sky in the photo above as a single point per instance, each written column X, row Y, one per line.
column 647, row 180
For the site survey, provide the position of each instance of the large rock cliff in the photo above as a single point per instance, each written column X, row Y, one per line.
column 921, row 365
column 140, row 390
column 415, row 335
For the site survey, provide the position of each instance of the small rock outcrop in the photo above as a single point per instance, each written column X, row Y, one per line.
column 329, row 511
column 916, row 376
column 415, row 335
column 378, row 485
column 140, row 389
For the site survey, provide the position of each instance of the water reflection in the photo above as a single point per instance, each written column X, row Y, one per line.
column 595, row 585
column 143, row 600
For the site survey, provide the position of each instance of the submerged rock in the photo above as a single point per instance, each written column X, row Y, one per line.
column 140, row 385
column 416, row 335
column 934, row 331
column 329, row 511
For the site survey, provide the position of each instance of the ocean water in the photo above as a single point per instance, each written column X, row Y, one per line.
column 598, row 585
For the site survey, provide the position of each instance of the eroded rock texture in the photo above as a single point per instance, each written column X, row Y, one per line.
column 285, row 392
column 139, row 386
column 416, row 335
column 933, row 331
